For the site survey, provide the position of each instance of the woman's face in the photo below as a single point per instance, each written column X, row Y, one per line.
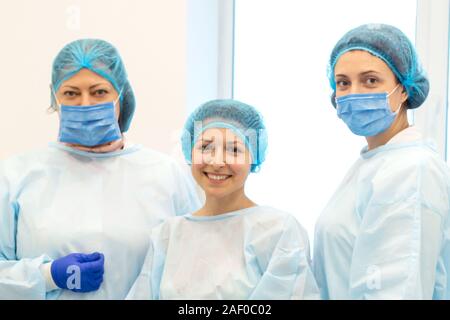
column 220, row 162
column 87, row 88
column 361, row 72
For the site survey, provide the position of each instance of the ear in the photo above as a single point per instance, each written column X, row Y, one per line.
column 404, row 95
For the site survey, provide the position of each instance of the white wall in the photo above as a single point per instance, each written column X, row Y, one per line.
column 151, row 36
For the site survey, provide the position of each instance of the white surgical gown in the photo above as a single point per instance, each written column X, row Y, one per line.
column 59, row 200
column 253, row 253
column 385, row 232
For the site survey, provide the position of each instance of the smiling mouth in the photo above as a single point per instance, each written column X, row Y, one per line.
column 217, row 177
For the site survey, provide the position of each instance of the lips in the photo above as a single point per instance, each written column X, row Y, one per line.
column 216, row 177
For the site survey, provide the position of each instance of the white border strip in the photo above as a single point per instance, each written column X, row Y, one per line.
column 226, row 49
column 432, row 43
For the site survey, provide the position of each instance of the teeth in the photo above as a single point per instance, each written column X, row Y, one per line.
column 215, row 177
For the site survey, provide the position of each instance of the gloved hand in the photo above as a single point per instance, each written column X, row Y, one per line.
column 78, row 272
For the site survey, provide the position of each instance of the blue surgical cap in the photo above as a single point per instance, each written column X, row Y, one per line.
column 102, row 58
column 242, row 118
column 393, row 47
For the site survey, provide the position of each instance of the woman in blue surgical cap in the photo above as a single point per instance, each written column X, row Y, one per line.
column 385, row 232
column 74, row 216
column 231, row 248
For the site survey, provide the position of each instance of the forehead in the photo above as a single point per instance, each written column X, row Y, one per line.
column 83, row 77
column 220, row 134
column 358, row 61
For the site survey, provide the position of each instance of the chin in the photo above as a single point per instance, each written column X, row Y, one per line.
column 216, row 192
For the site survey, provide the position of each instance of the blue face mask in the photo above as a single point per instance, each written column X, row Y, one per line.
column 366, row 114
column 89, row 125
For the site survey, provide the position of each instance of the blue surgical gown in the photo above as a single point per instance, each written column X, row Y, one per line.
column 385, row 232
column 253, row 253
column 58, row 200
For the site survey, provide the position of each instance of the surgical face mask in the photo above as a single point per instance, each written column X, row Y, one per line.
column 89, row 125
column 366, row 114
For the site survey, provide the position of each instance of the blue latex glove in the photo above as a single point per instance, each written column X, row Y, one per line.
column 78, row 272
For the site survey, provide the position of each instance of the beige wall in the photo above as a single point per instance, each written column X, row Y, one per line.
column 149, row 34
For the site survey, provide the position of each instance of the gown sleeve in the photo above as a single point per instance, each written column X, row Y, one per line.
column 286, row 273
column 186, row 197
column 19, row 278
column 147, row 284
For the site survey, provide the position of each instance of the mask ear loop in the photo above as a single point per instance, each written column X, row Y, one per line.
column 393, row 90
column 336, row 102
column 398, row 109
column 389, row 94
column 114, row 105
column 118, row 97
column 58, row 107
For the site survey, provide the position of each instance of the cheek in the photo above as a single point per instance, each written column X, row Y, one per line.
column 197, row 171
column 341, row 92
column 117, row 110
column 394, row 102
column 240, row 161
column 197, row 158
column 240, row 172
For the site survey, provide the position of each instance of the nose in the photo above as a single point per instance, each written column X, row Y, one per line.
column 354, row 89
column 217, row 158
column 85, row 99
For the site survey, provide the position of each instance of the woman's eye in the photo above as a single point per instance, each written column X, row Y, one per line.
column 100, row 92
column 371, row 81
column 206, row 147
column 234, row 150
column 70, row 93
column 342, row 83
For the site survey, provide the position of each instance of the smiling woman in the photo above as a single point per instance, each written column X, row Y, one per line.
column 224, row 141
column 221, row 165
column 231, row 248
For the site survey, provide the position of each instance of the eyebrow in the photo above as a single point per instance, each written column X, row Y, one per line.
column 370, row 71
column 234, row 142
column 362, row 73
column 91, row 87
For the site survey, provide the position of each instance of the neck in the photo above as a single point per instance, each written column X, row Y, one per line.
column 400, row 123
column 229, row 203
column 104, row 148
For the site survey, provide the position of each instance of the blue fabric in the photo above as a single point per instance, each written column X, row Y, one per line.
column 393, row 47
column 242, row 118
column 89, row 125
column 79, row 272
column 366, row 114
column 102, row 58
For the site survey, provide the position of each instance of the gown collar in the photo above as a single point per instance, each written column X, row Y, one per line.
column 405, row 138
column 126, row 150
